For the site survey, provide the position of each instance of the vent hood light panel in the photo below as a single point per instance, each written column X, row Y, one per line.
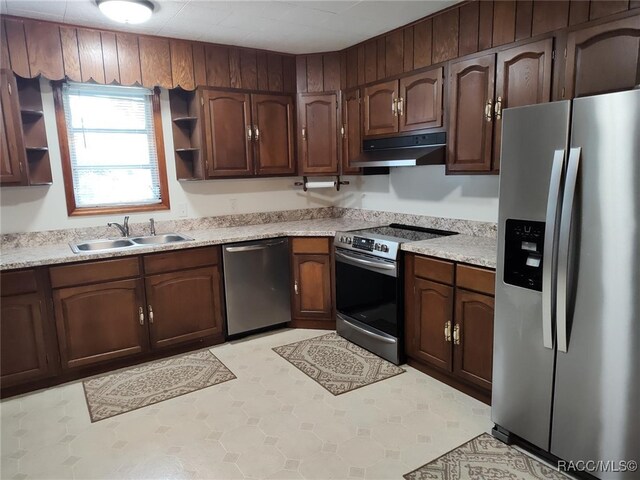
column 407, row 151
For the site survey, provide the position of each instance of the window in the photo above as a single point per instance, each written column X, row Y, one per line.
column 112, row 148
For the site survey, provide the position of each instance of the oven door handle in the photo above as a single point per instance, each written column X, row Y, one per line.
column 370, row 263
column 375, row 336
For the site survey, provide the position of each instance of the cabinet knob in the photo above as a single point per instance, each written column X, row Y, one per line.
column 488, row 110
column 141, row 315
column 150, row 314
column 456, row 334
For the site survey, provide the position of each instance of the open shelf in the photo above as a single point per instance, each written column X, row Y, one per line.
column 185, row 120
column 37, row 149
column 29, row 115
column 186, row 116
column 190, row 149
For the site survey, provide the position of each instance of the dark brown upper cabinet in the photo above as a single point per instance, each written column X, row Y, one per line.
column 471, row 89
column 381, row 108
column 351, row 130
column 317, row 140
column 603, row 58
column 23, row 140
column 273, row 134
column 480, row 88
column 229, row 133
column 420, row 102
column 409, row 104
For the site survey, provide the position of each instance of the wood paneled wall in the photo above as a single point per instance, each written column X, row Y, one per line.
column 31, row 48
column 319, row 73
column 465, row 29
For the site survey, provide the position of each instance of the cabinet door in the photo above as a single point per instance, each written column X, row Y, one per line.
column 352, row 134
column 603, row 58
column 471, row 85
column 428, row 337
column 273, row 134
column 184, row 306
column 12, row 152
column 101, row 322
column 523, row 77
column 421, row 101
column 312, row 286
column 228, row 133
column 473, row 338
column 380, row 108
column 22, row 339
column 318, row 134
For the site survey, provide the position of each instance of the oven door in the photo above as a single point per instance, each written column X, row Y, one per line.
column 367, row 290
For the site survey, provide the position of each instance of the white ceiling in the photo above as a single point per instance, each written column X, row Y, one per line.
column 285, row 26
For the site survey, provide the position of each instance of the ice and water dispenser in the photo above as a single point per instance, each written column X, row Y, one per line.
column 524, row 244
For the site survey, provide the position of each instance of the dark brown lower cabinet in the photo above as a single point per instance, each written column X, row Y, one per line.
column 27, row 335
column 449, row 322
column 184, row 306
column 100, row 322
column 473, row 337
column 312, row 275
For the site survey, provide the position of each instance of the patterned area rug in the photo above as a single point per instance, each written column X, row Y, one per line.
column 137, row 387
column 337, row 364
column 485, row 458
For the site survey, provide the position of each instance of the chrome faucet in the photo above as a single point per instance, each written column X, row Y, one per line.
column 124, row 228
column 152, row 226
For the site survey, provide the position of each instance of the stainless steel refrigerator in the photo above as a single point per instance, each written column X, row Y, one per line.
column 566, row 374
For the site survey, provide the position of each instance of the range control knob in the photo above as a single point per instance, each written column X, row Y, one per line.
column 376, row 246
column 385, row 248
column 341, row 239
column 349, row 240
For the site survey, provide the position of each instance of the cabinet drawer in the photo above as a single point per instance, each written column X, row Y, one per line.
column 94, row 272
column 477, row 279
column 311, row 245
column 432, row 269
column 16, row 283
column 180, row 259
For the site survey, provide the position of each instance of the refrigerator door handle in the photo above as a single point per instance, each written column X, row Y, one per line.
column 548, row 266
column 563, row 247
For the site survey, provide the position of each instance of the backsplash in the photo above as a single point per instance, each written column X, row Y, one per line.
column 52, row 237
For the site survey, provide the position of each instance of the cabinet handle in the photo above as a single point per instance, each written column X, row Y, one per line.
column 394, row 107
column 295, row 287
column 342, row 131
column 257, row 133
column 456, row 334
column 150, row 314
column 401, row 106
column 141, row 315
column 498, row 108
column 304, row 133
column 249, row 133
column 488, row 109
column 447, row 331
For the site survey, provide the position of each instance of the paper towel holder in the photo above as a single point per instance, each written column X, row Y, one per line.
column 305, row 180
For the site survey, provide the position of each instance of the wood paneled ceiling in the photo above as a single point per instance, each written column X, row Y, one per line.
column 284, row 26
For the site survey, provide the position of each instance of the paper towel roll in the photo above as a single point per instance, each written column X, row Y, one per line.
column 327, row 184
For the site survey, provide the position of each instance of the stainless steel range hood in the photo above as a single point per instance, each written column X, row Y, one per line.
column 408, row 151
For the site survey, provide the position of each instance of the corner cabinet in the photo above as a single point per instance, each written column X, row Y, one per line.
column 318, row 134
column 480, row 88
column 410, row 104
column 312, row 304
column 351, row 130
column 27, row 336
column 449, row 322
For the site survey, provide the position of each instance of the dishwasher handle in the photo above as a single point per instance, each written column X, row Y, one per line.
column 254, row 247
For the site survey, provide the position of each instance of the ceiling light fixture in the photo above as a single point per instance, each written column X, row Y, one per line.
column 126, row 11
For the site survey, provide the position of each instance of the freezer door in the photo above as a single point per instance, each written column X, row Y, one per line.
column 597, row 390
column 534, row 140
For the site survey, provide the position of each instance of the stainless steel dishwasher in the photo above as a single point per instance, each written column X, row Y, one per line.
column 257, row 283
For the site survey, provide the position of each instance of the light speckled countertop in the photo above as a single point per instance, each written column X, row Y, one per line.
column 480, row 251
column 12, row 258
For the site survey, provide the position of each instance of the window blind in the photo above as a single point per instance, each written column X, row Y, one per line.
column 111, row 145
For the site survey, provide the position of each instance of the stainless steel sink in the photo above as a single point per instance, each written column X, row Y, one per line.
column 101, row 245
column 109, row 245
column 161, row 239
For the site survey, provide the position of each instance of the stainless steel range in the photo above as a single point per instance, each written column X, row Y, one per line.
column 369, row 286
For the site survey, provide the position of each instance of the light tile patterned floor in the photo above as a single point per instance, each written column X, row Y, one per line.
column 271, row 422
